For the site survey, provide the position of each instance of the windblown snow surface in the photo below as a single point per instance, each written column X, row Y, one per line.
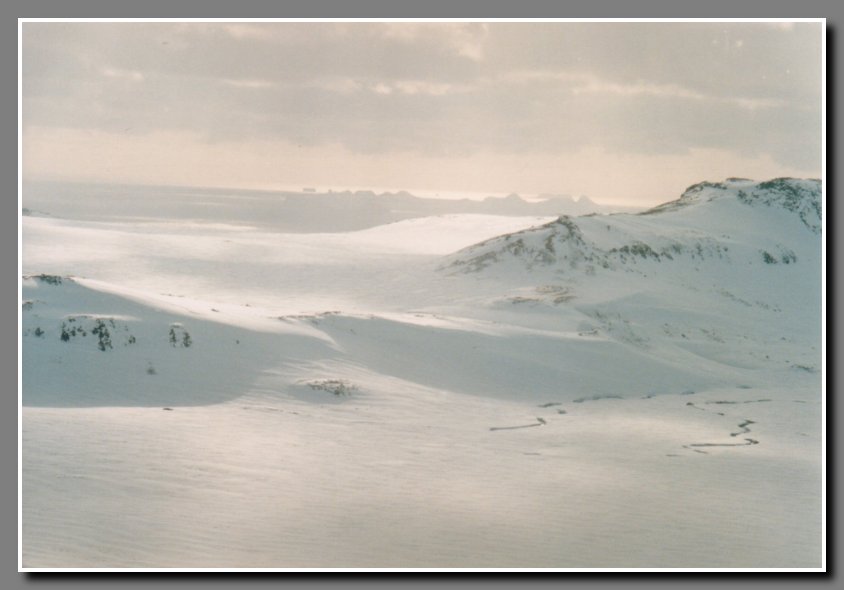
column 606, row 391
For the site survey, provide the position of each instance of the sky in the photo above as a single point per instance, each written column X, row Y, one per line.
column 626, row 113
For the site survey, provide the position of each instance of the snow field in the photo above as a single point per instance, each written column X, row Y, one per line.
column 210, row 394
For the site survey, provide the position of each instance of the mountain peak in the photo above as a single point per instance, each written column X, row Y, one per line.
column 801, row 196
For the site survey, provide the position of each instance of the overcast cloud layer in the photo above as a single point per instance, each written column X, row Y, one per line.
column 495, row 107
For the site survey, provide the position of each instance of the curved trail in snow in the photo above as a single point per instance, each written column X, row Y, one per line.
column 743, row 428
column 539, row 422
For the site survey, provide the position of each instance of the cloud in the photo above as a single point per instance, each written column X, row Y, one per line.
column 784, row 26
column 451, row 90
column 132, row 75
column 246, row 83
column 465, row 39
column 186, row 159
column 248, row 31
column 596, row 86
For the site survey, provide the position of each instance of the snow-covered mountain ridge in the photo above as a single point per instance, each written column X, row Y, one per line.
column 801, row 196
column 703, row 224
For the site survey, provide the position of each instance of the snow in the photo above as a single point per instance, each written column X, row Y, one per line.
column 246, row 397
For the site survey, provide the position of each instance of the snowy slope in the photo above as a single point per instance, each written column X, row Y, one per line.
column 629, row 390
column 700, row 226
column 729, row 272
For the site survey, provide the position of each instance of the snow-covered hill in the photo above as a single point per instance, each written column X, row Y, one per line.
column 755, row 219
column 730, row 271
column 620, row 390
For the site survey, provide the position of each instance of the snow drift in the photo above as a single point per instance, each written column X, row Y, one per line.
column 626, row 390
